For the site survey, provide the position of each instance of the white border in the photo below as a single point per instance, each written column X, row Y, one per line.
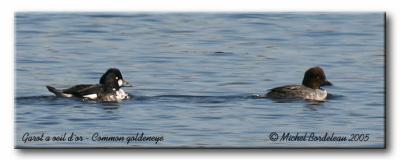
column 8, row 8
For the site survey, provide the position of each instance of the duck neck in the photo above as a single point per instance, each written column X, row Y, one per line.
column 310, row 84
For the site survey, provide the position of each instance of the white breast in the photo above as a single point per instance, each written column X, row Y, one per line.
column 121, row 94
column 321, row 94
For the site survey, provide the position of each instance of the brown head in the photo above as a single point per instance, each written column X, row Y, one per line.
column 315, row 78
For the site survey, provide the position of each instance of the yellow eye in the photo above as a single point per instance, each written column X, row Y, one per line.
column 116, row 77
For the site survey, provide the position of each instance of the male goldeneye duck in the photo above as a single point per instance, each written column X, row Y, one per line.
column 108, row 89
column 311, row 89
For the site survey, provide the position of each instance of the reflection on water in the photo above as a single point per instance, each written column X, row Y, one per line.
column 198, row 77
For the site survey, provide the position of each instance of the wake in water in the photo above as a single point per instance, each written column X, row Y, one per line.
column 161, row 98
column 206, row 99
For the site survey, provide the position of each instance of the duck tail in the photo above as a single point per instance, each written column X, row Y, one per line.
column 57, row 92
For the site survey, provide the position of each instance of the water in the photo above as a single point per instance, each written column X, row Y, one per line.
column 196, row 76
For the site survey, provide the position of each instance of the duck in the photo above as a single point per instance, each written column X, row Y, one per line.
column 109, row 88
column 310, row 89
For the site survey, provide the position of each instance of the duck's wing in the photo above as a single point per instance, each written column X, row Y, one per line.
column 289, row 91
column 83, row 90
column 288, row 88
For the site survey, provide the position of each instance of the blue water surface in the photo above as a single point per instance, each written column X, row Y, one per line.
column 197, row 77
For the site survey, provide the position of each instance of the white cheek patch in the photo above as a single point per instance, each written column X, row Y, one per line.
column 120, row 82
column 91, row 96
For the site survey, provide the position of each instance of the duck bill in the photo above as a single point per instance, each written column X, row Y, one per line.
column 326, row 83
column 126, row 84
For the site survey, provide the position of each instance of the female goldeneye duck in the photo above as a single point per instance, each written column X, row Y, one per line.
column 311, row 89
column 108, row 89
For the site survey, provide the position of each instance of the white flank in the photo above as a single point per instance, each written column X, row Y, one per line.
column 67, row 95
column 91, row 96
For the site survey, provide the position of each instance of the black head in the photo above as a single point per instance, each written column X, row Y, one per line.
column 113, row 78
column 315, row 78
